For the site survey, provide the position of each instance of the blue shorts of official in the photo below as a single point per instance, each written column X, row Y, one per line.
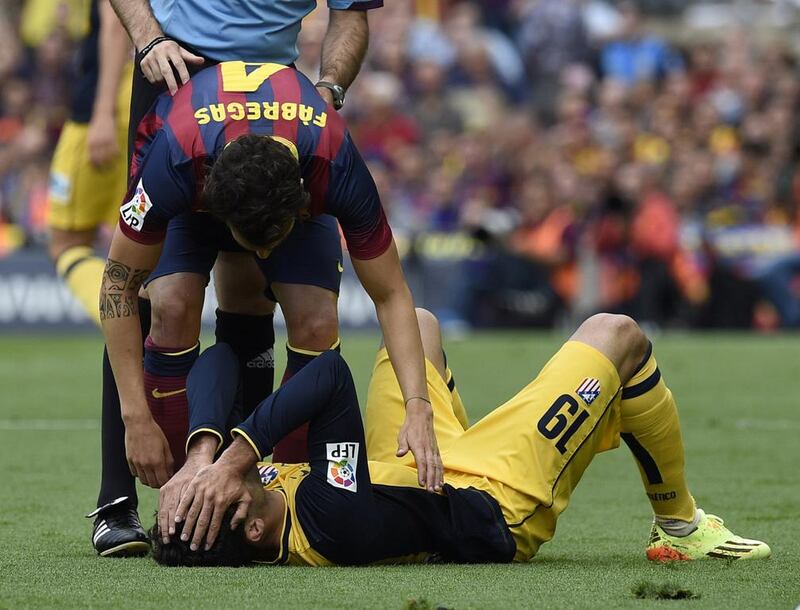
column 310, row 255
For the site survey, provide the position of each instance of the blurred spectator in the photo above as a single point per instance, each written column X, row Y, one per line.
column 34, row 92
column 550, row 157
column 552, row 36
column 636, row 54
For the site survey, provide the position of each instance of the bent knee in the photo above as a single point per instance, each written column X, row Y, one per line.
column 431, row 335
column 428, row 323
column 617, row 336
column 317, row 331
column 614, row 325
column 177, row 307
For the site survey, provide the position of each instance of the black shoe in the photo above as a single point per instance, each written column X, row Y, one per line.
column 117, row 531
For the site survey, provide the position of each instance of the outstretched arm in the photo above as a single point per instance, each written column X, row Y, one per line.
column 129, row 263
column 383, row 279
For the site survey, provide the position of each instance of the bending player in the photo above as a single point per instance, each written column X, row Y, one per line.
column 507, row 478
column 247, row 158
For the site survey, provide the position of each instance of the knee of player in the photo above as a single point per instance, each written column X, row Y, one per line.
column 173, row 309
column 317, row 332
column 625, row 330
column 619, row 333
column 428, row 324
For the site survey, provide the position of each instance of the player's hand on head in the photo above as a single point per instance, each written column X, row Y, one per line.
column 147, row 449
column 101, row 140
column 205, row 500
column 170, row 495
column 165, row 59
column 417, row 435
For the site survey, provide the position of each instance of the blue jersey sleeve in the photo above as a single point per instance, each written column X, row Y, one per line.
column 159, row 190
column 353, row 198
column 211, row 390
column 319, row 393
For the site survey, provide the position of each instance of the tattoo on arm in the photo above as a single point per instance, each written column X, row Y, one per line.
column 119, row 290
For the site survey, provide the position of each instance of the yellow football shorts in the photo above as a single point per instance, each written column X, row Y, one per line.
column 81, row 196
column 530, row 452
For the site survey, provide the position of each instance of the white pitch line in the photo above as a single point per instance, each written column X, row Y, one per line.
column 59, row 425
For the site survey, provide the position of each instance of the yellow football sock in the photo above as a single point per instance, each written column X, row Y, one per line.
column 82, row 272
column 652, row 432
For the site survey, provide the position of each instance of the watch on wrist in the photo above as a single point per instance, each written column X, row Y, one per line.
column 336, row 90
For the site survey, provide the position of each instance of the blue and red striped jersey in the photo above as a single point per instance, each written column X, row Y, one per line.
column 181, row 136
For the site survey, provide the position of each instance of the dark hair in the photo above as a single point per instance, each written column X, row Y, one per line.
column 254, row 186
column 230, row 548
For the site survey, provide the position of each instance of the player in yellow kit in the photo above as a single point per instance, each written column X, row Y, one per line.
column 507, row 478
column 88, row 174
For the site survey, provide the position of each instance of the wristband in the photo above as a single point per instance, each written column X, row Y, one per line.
column 149, row 47
column 418, row 398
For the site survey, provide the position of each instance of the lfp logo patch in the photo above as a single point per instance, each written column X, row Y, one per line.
column 342, row 461
column 588, row 390
column 268, row 474
column 134, row 211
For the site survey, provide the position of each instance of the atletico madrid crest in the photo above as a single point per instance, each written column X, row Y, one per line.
column 588, row 390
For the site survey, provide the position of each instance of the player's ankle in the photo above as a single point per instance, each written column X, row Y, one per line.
column 678, row 527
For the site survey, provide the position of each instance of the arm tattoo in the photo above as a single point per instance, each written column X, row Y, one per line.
column 119, row 290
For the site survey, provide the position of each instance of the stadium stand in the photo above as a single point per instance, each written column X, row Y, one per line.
column 540, row 160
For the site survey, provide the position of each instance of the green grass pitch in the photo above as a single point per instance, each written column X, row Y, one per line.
column 738, row 401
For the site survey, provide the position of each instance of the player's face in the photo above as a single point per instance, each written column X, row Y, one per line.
column 262, row 251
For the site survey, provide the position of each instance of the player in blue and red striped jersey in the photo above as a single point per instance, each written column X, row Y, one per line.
column 184, row 136
column 175, row 39
column 257, row 147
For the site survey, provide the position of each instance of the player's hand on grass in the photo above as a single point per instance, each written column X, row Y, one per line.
column 166, row 58
column 101, row 140
column 200, row 455
column 417, row 435
column 149, row 456
column 205, row 500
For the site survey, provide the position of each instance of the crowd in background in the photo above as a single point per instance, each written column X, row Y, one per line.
column 553, row 157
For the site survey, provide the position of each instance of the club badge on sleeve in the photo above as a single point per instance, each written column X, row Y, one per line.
column 588, row 390
column 342, row 460
column 268, row 473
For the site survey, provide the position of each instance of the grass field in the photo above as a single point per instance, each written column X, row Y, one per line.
column 741, row 418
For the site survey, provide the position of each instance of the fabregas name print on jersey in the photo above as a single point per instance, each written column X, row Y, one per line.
column 182, row 137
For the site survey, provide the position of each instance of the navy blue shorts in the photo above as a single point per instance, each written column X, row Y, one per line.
column 311, row 254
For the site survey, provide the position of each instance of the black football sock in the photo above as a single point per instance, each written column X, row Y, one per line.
column 252, row 338
column 116, row 479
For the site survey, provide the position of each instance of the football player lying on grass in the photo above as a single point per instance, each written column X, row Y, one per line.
column 507, row 478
